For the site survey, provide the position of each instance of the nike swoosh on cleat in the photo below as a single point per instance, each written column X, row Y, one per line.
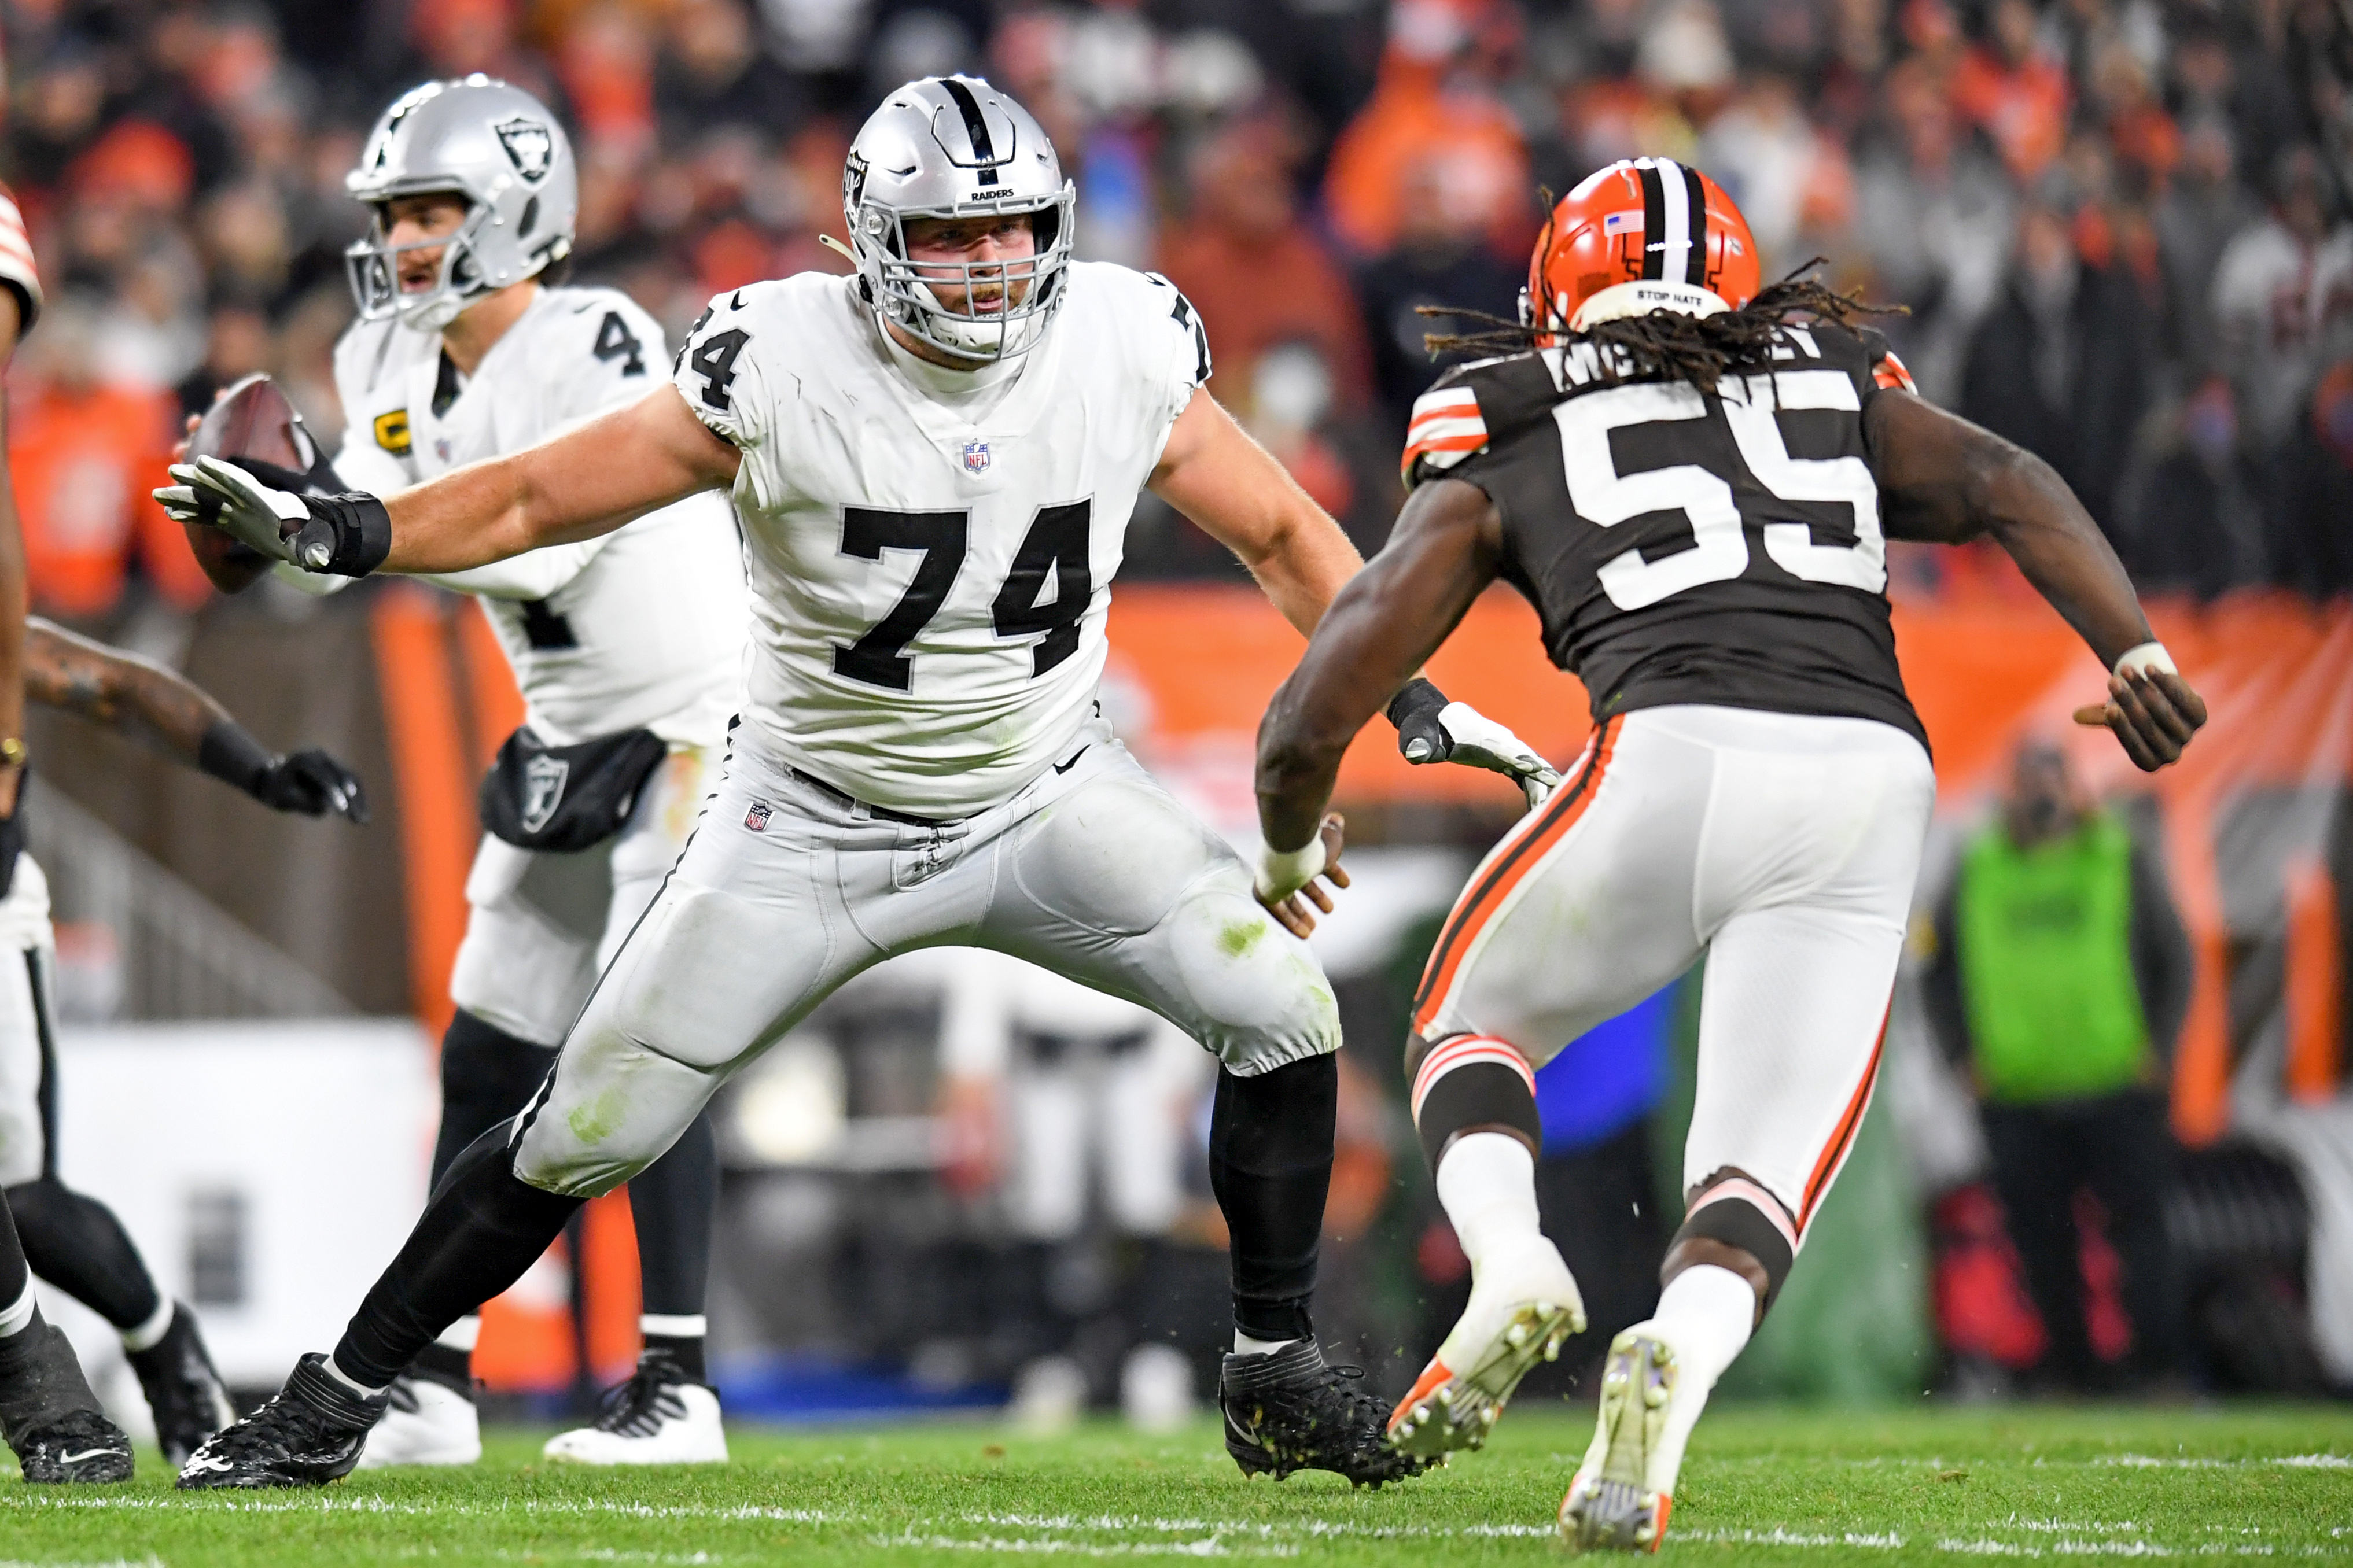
column 85, row 1453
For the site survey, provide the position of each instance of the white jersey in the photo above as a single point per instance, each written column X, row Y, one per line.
column 643, row 627
column 931, row 553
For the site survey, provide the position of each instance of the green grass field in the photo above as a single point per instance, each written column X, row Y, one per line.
column 1762, row 1486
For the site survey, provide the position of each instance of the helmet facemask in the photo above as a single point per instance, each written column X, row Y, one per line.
column 908, row 292
column 374, row 264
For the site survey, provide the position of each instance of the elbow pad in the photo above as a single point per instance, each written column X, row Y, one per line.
column 348, row 535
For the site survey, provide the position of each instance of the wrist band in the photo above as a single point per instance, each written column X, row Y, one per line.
column 348, row 535
column 1289, row 869
column 2147, row 658
column 1416, row 698
column 233, row 756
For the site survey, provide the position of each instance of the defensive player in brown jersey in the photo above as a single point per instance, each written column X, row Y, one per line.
column 1693, row 479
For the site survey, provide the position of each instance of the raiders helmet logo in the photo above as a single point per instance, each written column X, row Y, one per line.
column 543, row 778
column 530, row 145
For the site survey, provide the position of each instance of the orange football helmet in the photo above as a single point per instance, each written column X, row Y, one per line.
column 1640, row 220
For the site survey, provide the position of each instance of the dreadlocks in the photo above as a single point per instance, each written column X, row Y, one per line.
column 1666, row 345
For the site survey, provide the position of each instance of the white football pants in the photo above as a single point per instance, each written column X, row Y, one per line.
column 542, row 927
column 788, row 889
column 1784, row 845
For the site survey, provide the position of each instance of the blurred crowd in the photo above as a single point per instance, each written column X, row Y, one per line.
column 2122, row 228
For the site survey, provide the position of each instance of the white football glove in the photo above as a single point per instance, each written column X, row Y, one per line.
column 1478, row 741
column 221, row 495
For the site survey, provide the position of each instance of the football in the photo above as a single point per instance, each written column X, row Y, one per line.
column 253, row 420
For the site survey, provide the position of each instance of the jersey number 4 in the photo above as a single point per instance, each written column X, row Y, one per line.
column 1719, row 550
column 1055, row 547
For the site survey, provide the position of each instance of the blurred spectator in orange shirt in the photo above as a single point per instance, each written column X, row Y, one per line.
column 85, row 453
column 2019, row 99
column 1255, row 270
column 1435, row 99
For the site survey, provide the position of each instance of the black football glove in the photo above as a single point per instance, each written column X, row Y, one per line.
column 312, row 783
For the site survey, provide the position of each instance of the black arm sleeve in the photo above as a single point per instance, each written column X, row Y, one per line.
column 2162, row 962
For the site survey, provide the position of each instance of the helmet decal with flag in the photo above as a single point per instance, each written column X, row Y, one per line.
column 1643, row 233
column 955, row 147
column 495, row 146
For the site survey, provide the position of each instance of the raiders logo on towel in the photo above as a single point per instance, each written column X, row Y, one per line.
column 543, row 778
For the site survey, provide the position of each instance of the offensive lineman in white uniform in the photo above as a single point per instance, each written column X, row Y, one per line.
column 935, row 462
column 628, row 649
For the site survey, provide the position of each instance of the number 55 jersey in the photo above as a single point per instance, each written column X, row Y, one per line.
column 930, row 550
column 1689, row 547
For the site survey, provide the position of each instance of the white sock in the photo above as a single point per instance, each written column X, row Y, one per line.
column 674, row 1325
column 348, row 1381
column 461, row 1334
column 149, row 1334
column 1706, row 1313
column 18, row 1315
column 1245, row 1345
column 1488, row 1183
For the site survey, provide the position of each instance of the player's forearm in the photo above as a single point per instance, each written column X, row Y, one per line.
column 483, row 513
column 118, row 690
column 2030, row 512
column 1305, row 568
column 1382, row 625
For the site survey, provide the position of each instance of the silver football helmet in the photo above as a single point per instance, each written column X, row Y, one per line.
column 494, row 144
column 954, row 146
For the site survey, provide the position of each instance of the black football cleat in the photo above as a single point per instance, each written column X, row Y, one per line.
column 312, row 1431
column 50, row 1417
column 1289, row 1411
column 183, row 1390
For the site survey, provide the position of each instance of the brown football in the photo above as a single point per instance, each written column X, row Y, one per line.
column 249, row 419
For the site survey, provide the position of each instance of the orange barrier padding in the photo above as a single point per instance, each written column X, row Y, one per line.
column 2316, row 984
column 430, row 767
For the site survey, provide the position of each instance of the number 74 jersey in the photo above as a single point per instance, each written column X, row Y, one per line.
column 1682, row 547
column 930, row 553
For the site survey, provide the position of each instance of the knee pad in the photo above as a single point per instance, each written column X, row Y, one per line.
column 1472, row 1080
column 1735, row 1211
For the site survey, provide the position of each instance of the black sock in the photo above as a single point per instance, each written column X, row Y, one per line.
column 14, row 1273
column 482, row 1228
column 1271, row 1165
column 487, row 1076
column 683, row 1350
column 76, row 1244
column 674, row 1203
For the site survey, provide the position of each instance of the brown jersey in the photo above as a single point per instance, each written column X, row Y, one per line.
column 1687, row 547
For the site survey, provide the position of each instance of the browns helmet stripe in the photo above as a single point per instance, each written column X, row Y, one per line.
column 1696, row 269
column 1654, row 218
column 1670, row 242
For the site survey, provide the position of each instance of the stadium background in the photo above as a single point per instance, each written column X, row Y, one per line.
column 2122, row 230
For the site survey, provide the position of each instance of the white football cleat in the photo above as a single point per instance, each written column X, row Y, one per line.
column 428, row 1423
column 655, row 1418
column 1626, row 1487
column 1523, row 1308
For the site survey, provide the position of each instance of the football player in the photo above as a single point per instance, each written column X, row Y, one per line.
column 70, row 1239
column 628, row 649
column 48, row 1414
column 1693, row 479
column 934, row 460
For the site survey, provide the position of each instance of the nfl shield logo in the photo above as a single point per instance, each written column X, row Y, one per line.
column 756, row 819
column 542, row 790
column 975, row 456
column 530, row 145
